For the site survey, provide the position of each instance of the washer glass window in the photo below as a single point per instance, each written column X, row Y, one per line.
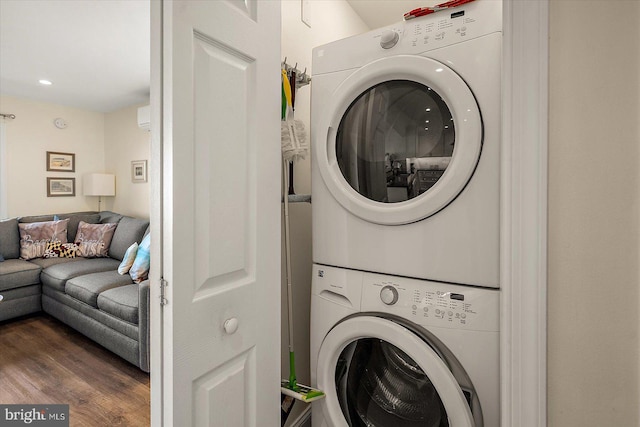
column 379, row 385
column 395, row 141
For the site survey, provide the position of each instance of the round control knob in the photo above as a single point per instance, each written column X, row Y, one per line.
column 231, row 325
column 389, row 39
column 389, row 295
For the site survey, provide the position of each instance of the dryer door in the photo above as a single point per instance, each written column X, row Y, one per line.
column 376, row 373
column 403, row 138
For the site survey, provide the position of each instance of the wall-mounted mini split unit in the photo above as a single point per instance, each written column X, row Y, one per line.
column 144, row 117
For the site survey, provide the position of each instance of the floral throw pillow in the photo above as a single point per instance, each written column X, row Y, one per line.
column 93, row 240
column 60, row 250
column 34, row 237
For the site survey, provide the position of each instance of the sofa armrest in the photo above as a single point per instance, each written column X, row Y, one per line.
column 143, row 324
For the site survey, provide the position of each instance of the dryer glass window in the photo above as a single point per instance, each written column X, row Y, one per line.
column 395, row 141
column 378, row 385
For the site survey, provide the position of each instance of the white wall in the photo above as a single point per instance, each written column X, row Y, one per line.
column 125, row 142
column 105, row 143
column 30, row 136
column 331, row 20
column 593, row 283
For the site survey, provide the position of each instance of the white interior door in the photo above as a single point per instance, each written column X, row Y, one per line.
column 219, row 211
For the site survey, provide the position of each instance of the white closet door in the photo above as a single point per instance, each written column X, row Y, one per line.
column 220, row 210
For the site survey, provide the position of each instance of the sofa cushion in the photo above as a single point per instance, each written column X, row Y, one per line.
column 34, row 237
column 103, row 317
column 87, row 288
column 48, row 262
column 121, row 302
column 93, row 240
column 9, row 239
column 15, row 273
column 74, row 221
column 35, row 218
column 129, row 231
column 57, row 275
column 108, row 217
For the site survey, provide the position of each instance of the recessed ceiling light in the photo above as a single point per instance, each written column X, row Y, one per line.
column 45, row 82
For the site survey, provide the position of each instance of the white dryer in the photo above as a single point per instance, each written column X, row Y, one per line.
column 392, row 351
column 406, row 148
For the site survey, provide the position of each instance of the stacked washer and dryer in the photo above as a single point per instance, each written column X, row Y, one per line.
column 405, row 182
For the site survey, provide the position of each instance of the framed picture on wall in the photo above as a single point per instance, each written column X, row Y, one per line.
column 61, row 162
column 139, row 171
column 61, row 187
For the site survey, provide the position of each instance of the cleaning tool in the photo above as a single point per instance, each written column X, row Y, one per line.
column 294, row 137
column 290, row 388
column 294, row 146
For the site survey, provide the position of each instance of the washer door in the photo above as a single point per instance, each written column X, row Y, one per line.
column 403, row 138
column 376, row 373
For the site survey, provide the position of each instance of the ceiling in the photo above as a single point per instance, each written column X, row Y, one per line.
column 96, row 53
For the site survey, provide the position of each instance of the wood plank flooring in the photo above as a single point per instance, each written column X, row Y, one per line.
column 44, row 361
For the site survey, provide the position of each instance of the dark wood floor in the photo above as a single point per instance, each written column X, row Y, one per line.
column 44, row 361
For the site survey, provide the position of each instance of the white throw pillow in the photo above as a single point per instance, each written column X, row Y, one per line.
column 127, row 260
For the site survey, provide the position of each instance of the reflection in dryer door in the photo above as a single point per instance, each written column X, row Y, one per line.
column 390, row 133
column 378, row 385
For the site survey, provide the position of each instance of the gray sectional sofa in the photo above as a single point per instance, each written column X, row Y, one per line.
column 87, row 294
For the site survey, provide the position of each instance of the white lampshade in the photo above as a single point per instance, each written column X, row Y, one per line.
column 99, row 184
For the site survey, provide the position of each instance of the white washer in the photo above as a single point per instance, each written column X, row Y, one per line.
column 393, row 351
column 406, row 148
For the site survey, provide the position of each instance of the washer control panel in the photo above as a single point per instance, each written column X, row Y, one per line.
column 432, row 303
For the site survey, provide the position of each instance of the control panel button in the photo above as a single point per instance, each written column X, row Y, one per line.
column 389, row 39
column 389, row 295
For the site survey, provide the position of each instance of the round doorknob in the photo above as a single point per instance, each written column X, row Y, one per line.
column 231, row 325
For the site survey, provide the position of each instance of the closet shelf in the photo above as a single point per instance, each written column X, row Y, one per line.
column 299, row 198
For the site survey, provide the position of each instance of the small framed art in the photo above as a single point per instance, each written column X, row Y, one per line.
column 139, row 171
column 61, row 187
column 61, row 162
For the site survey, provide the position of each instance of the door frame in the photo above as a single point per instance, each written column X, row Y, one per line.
column 156, row 208
column 523, row 257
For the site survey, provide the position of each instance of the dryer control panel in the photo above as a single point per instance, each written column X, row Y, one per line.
column 412, row 37
column 431, row 303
